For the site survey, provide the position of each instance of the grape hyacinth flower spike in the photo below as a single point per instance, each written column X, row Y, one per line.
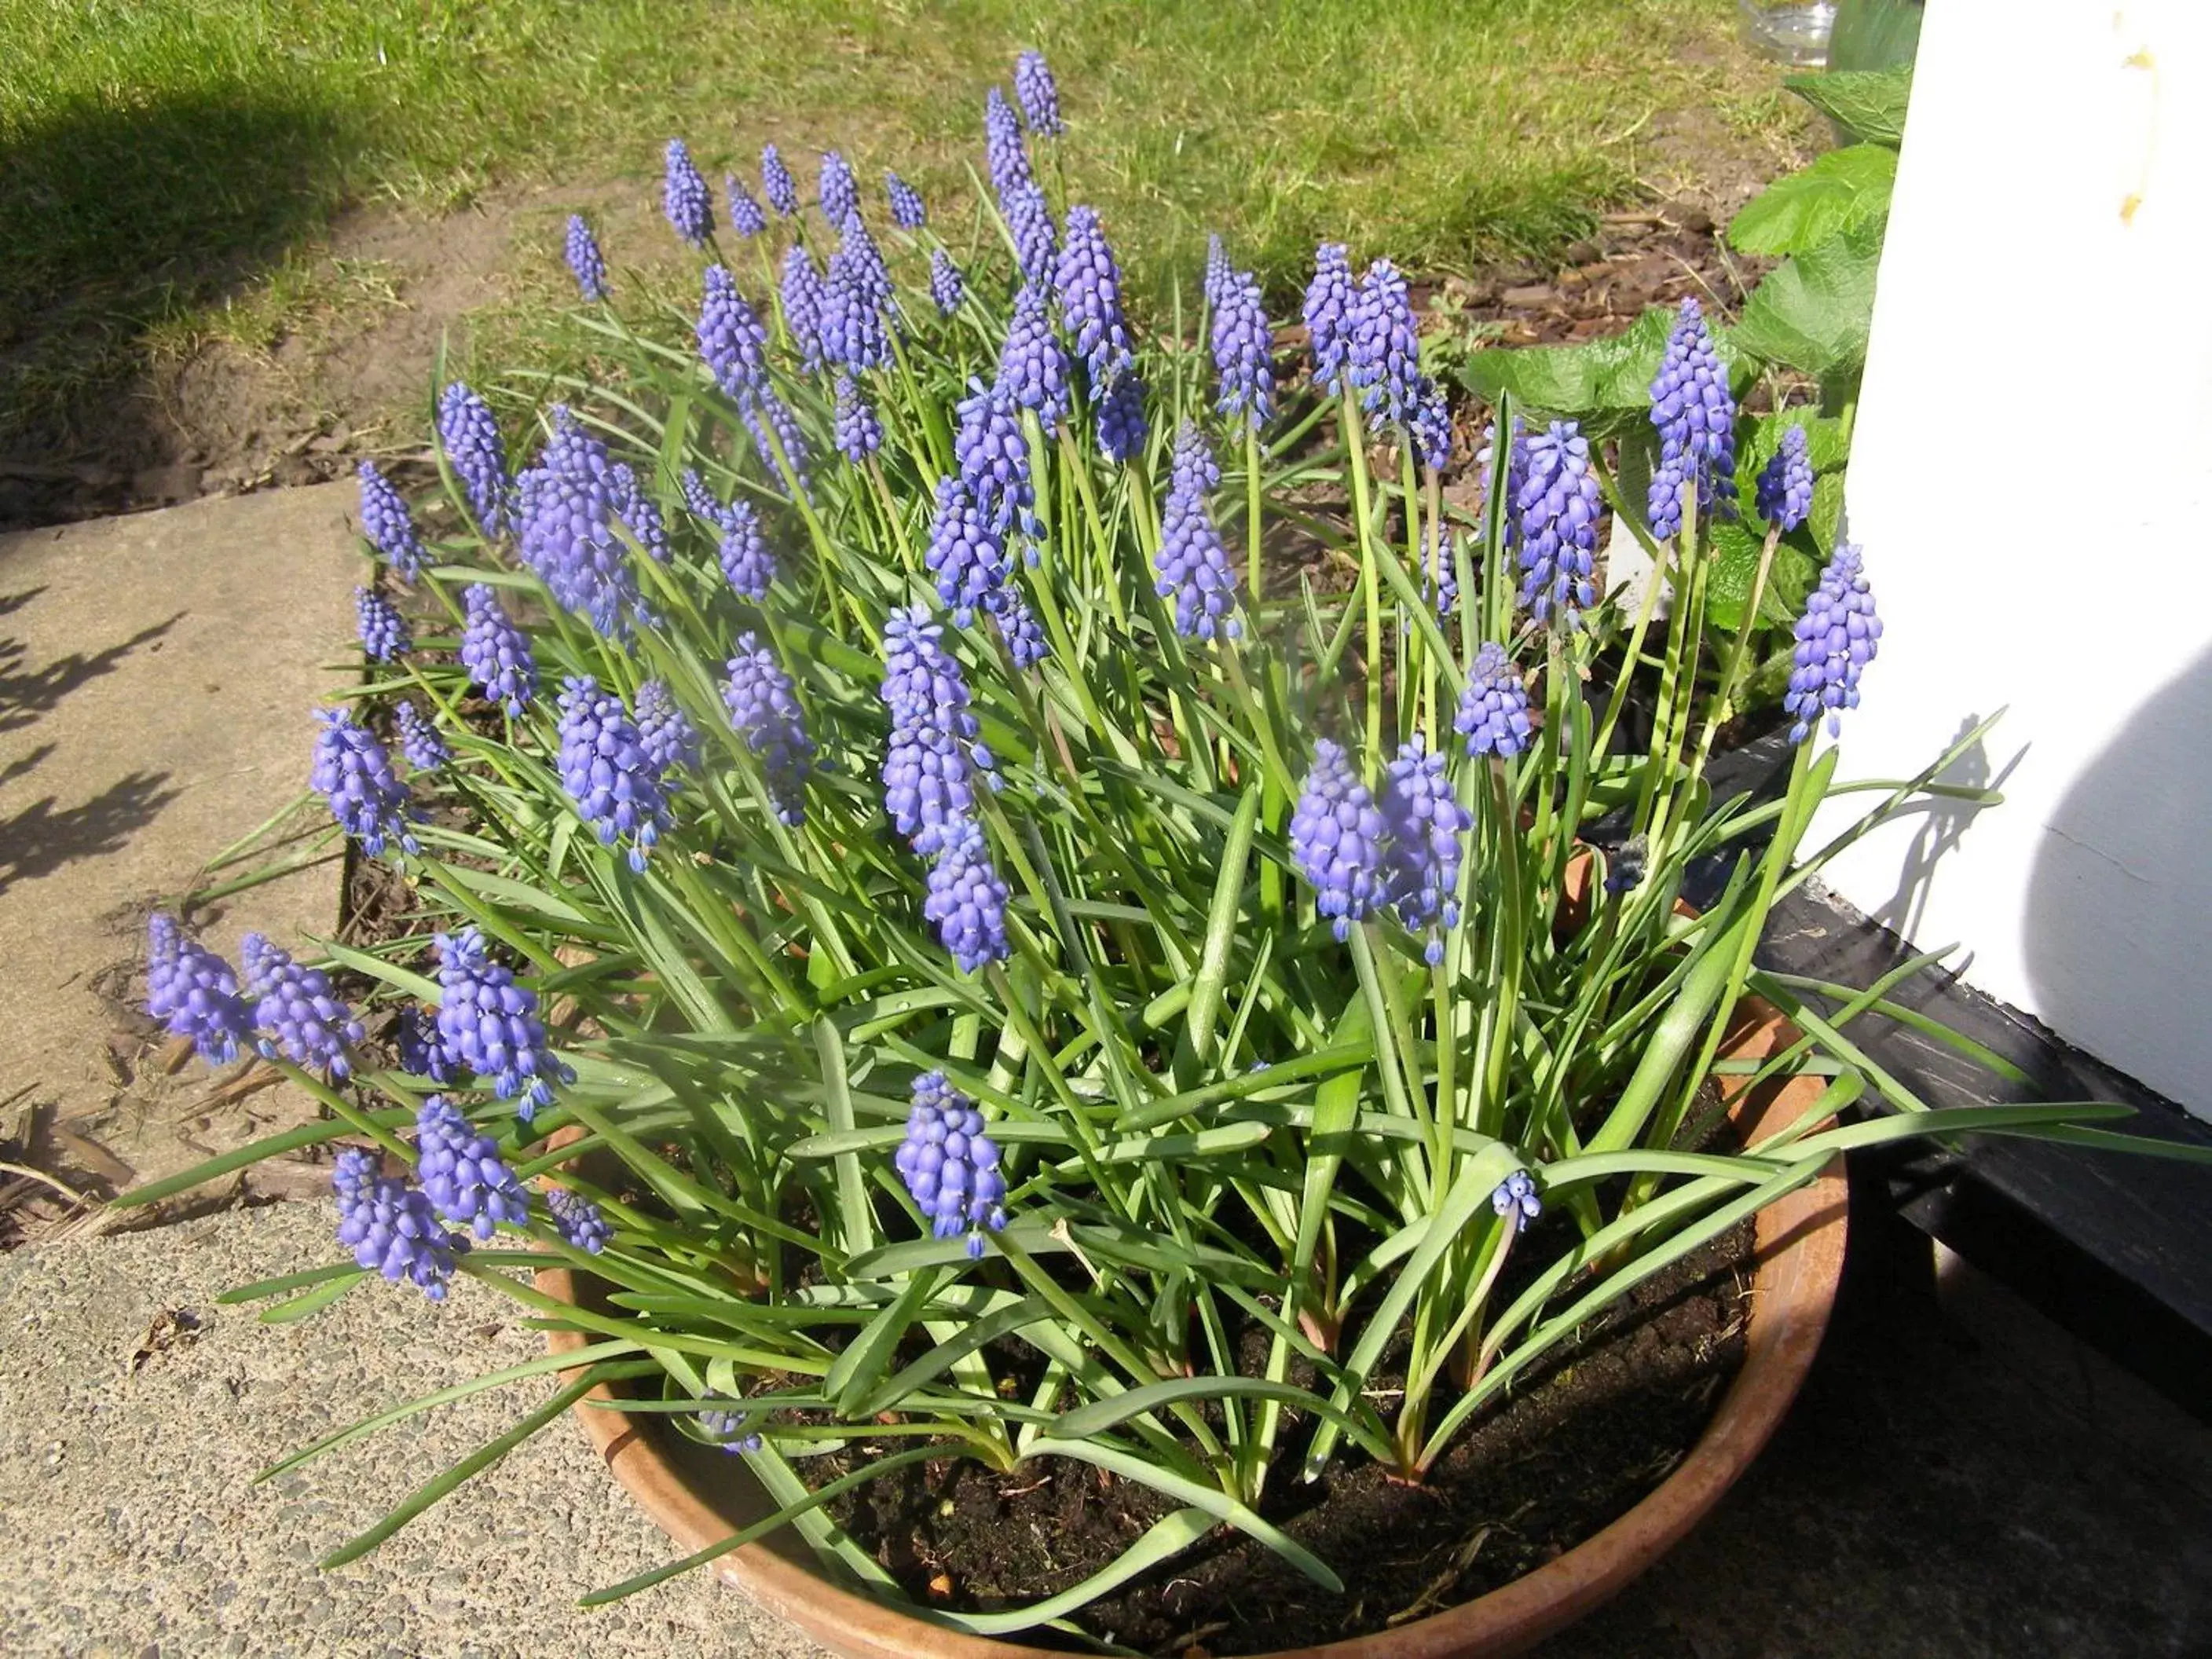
column 1383, row 357
column 1039, row 94
column 907, row 211
column 732, row 343
column 967, row 899
column 859, row 432
column 489, row 1025
column 802, row 305
column 420, row 1054
column 1089, row 283
column 354, row 775
column 388, row 525
column 934, row 758
column 1121, row 425
column 391, row 1227
column 383, row 630
column 566, row 507
column 1328, row 314
column 581, row 1222
column 468, row 433
column 586, row 264
column 1557, row 510
column 670, row 741
column 836, row 189
column 947, row 287
column 462, row 1173
column 194, row 994
column 1338, row 836
column 1695, row 415
column 1036, row 239
column 1427, row 828
column 683, row 197
column 1194, row 566
column 296, row 1012
column 495, row 652
column 1837, row 637
column 1515, row 1196
column 1005, row 156
column 765, row 712
column 1032, row 364
column 747, row 564
column 1785, row 483
column 966, row 556
column 1493, row 710
column 746, row 219
column 777, row 183
column 1243, row 348
column 608, row 771
column 994, row 457
column 419, row 740
column 950, row 1165
column 1429, row 427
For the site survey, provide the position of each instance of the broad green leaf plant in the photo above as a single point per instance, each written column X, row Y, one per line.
column 1267, row 1079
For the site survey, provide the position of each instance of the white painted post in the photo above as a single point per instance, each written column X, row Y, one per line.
column 2032, row 482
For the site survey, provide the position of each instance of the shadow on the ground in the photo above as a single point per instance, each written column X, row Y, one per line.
column 39, row 839
column 117, row 212
column 26, row 694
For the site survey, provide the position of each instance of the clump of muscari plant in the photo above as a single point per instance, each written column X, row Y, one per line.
column 1023, row 993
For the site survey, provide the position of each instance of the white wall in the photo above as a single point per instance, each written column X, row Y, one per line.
column 2032, row 482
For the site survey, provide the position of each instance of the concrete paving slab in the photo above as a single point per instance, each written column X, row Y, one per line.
column 158, row 676
column 133, row 1526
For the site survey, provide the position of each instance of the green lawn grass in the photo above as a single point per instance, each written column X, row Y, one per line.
column 156, row 156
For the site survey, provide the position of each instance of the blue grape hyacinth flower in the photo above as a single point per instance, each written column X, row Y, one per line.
column 608, row 771
column 1005, row 157
column 1017, row 626
column 1837, row 637
column 462, row 1173
column 383, row 630
column 581, row 1222
column 802, row 305
column 1036, row 239
column 637, row 511
column 1243, row 354
column 1429, row 427
column 1088, row 282
column 194, row 994
column 1193, row 565
column 390, row 527
column 967, row 556
column 947, row 287
column 586, row 264
column 836, row 189
column 1695, row 415
column 994, row 458
column 354, row 775
column 908, row 212
column 419, row 740
column 1328, row 314
column 1383, row 358
column 1559, row 510
column 966, row 901
column 777, row 183
column 1039, row 95
column 468, row 433
column 935, row 756
column 565, row 515
column 732, row 342
column 773, row 429
column 746, row 562
column 1493, row 710
column 671, row 742
column 1440, row 576
column 859, row 432
column 1215, row 282
column 1121, row 425
column 950, row 1165
column 1340, row 838
column 1427, row 828
column 391, row 1227
column 728, row 1429
column 495, row 651
column 1515, row 1196
column 764, row 711
column 685, row 197
column 746, row 219
column 489, row 1025
column 852, row 321
column 296, row 1012
column 1785, row 493
column 1032, row 363
column 415, row 1036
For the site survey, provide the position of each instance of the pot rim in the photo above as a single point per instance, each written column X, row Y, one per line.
column 1798, row 1253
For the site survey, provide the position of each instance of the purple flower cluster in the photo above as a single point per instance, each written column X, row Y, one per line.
column 1120, row 425
column 1036, row 241
column 468, row 433
column 586, row 263
column 859, row 432
column 994, row 457
column 1329, row 300
column 1032, row 364
column 728, row 1429
column 746, row 562
column 421, row 1053
column 777, row 183
column 294, row 1010
column 1339, row 839
column 1427, row 828
column 1429, row 426
column 935, row 754
column 607, row 769
column 355, row 775
column 1515, row 1196
column 489, row 1025
column 392, row 1227
column 683, row 196
column 907, row 211
column 565, row 514
column 1089, row 283
column 670, row 740
column 774, row 428
column 495, row 652
column 1383, row 357
column 419, row 740
column 966, row 556
column 194, row 992
column 946, row 285
column 1216, row 280
column 1695, row 415
column 581, row 1222
column 852, row 326
column 1440, row 576
column 637, row 511
column 836, row 189
column 1493, row 710
column 1018, row 627
column 1558, row 505
column 383, row 630
column 764, row 712
column 1244, row 349
column 802, row 305
column 1004, row 153
column 1193, row 564
column 462, row 1173
column 732, row 343
column 388, row 525
column 949, row 1166
column 967, row 899
column 1837, row 637
column 1785, row 483
column 746, row 218
column 1039, row 95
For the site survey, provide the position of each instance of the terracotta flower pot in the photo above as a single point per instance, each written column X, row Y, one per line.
column 700, row 1496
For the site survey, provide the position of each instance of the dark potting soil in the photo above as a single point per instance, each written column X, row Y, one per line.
column 1589, row 1432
